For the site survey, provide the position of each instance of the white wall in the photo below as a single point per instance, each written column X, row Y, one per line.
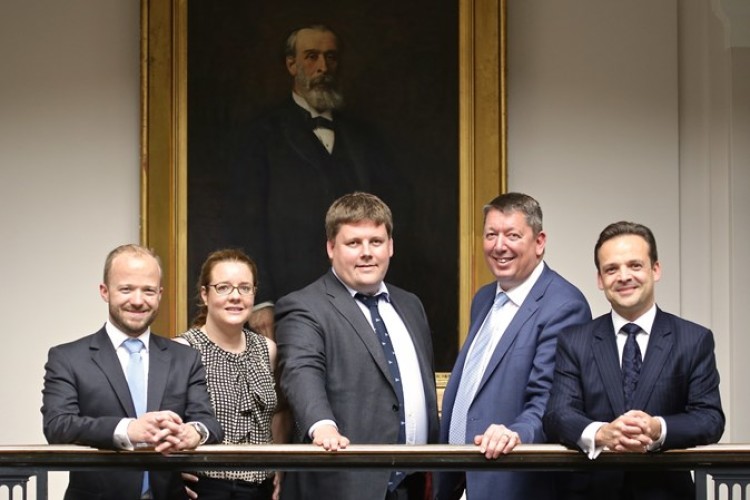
column 69, row 181
column 592, row 120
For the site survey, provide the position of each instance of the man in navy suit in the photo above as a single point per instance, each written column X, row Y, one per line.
column 500, row 383
column 87, row 397
column 636, row 380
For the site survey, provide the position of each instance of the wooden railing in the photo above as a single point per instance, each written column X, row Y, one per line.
column 725, row 463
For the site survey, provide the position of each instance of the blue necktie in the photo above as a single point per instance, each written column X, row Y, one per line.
column 472, row 374
column 371, row 301
column 137, row 383
column 631, row 364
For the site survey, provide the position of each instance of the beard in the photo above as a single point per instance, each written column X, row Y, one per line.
column 322, row 92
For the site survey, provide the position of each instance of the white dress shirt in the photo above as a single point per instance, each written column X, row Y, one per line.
column 326, row 136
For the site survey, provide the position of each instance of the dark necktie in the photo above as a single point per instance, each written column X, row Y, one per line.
column 371, row 301
column 321, row 122
column 631, row 364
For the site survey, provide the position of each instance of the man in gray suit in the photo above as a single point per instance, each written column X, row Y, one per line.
column 355, row 356
column 124, row 388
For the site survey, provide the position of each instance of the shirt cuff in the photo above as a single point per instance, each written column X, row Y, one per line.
column 120, row 437
column 656, row 445
column 587, row 441
column 320, row 423
column 202, row 431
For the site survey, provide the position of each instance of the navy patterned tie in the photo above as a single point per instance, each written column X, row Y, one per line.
column 371, row 301
column 631, row 364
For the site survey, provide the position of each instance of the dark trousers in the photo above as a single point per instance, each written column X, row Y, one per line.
column 411, row 488
column 209, row 488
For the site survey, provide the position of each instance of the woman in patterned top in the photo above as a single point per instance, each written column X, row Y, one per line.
column 239, row 373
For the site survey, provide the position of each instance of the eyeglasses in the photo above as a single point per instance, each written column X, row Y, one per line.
column 227, row 289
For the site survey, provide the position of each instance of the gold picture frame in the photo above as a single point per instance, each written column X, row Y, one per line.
column 482, row 144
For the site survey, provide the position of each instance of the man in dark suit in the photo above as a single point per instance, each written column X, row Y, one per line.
column 306, row 150
column 635, row 380
column 100, row 392
column 500, row 383
column 355, row 356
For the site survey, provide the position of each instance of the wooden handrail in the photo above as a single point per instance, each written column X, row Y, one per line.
column 429, row 457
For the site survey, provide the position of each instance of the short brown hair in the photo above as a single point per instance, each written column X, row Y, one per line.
column 357, row 207
column 518, row 202
column 204, row 279
column 622, row 228
column 130, row 248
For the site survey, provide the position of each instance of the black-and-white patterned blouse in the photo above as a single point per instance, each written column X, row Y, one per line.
column 242, row 392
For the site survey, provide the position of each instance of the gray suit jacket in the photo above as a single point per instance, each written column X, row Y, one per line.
column 332, row 367
column 86, row 395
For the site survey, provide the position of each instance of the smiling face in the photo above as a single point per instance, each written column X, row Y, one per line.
column 233, row 309
column 360, row 253
column 627, row 275
column 133, row 291
column 511, row 249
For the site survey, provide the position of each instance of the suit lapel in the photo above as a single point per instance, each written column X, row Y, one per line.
column 660, row 345
column 343, row 302
column 159, row 361
column 525, row 312
column 606, row 358
column 104, row 356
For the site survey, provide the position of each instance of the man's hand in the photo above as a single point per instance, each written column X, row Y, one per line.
column 148, row 428
column 277, row 478
column 329, row 438
column 189, row 478
column 262, row 321
column 497, row 440
column 164, row 430
column 631, row 432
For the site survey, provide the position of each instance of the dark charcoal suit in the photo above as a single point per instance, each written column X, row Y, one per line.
column 86, row 395
column 333, row 367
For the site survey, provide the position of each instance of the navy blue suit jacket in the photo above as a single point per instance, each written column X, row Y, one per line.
column 679, row 382
column 515, row 386
column 86, row 395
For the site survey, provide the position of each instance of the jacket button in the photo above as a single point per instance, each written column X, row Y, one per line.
column 394, row 408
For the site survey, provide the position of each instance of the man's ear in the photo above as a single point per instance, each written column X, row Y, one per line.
column 291, row 65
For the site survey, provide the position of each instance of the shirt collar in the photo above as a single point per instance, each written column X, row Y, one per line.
column 302, row 103
column 518, row 294
column 381, row 290
column 645, row 321
column 117, row 336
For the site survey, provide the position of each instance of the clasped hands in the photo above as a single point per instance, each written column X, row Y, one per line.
column 164, row 430
column 633, row 432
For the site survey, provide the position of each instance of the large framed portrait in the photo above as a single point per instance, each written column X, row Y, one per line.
column 423, row 87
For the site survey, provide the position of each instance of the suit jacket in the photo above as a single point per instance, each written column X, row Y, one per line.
column 333, row 367
column 277, row 189
column 86, row 395
column 678, row 381
column 515, row 385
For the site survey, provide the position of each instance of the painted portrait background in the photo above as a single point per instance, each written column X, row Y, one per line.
column 399, row 72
